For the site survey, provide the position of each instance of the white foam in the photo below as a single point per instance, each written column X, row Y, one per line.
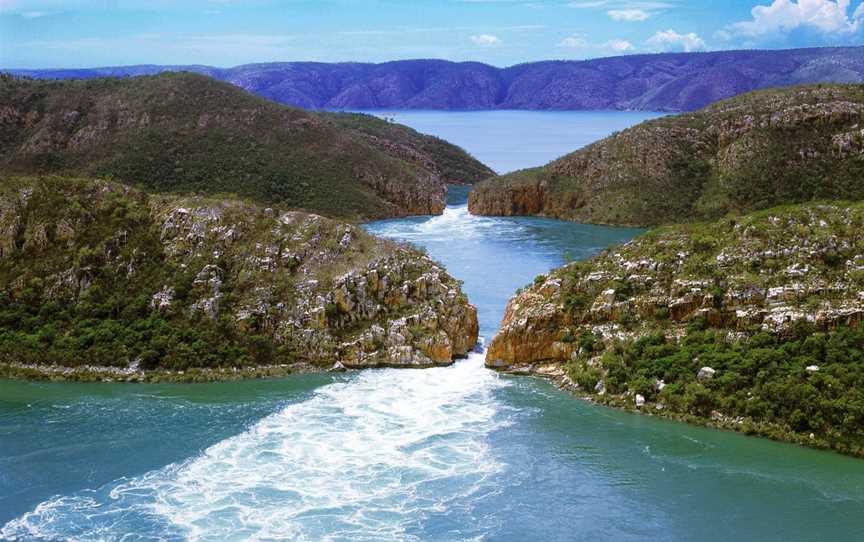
column 454, row 223
column 365, row 459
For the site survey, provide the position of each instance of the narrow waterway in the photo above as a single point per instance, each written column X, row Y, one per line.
column 455, row 453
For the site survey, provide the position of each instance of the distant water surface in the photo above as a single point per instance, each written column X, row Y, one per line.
column 511, row 140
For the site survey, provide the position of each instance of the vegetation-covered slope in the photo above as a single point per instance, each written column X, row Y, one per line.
column 752, row 323
column 450, row 162
column 751, row 152
column 94, row 273
column 183, row 132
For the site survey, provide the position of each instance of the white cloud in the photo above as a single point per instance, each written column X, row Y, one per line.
column 486, row 40
column 649, row 5
column 615, row 46
column 669, row 40
column 618, row 46
column 37, row 14
column 574, row 42
column 629, row 15
column 587, row 5
column 259, row 46
column 620, row 5
column 783, row 16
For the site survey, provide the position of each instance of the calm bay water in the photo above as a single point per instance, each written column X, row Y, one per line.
column 456, row 453
column 511, row 140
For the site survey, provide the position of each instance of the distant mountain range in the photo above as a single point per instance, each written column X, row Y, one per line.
column 660, row 82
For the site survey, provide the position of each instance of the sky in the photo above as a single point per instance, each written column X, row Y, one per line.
column 89, row 33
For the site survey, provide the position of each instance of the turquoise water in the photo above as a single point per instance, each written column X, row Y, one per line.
column 495, row 256
column 511, row 140
column 456, row 453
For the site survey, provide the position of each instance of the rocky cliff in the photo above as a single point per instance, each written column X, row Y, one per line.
column 751, row 152
column 752, row 323
column 96, row 276
column 190, row 133
column 661, row 82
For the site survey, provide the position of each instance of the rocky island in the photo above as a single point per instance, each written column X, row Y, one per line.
column 738, row 313
column 752, row 323
column 101, row 280
column 184, row 133
column 767, row 148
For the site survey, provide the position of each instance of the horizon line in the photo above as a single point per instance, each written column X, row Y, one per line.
column 352, row 62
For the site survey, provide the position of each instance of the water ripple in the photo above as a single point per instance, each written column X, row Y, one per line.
column 360, row 460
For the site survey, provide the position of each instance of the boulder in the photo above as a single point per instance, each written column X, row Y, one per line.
column 705, row 373
column 600, row 387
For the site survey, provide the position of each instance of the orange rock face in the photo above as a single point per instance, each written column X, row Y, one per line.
column 530, row 332
column 518, row 200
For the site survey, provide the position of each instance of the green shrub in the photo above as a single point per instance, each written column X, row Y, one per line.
column 762, row 380
column 586, row 377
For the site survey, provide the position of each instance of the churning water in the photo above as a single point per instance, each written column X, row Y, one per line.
column 371, row 458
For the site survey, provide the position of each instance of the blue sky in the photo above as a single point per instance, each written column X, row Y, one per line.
column 80, row 33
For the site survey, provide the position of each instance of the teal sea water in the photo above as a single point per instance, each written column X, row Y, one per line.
column 456, row 453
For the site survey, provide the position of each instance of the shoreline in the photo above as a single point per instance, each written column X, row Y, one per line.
column 125, row 375
column 102, row 374
column 551, row 372
column 558, row 376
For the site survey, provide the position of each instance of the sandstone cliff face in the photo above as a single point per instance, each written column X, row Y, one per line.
column 427, row 196
column 308, row 289
column 752, row 152
column 511, row 200
column 766, row 272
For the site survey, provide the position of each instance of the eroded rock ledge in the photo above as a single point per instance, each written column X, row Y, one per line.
column 752, row 323
column 105, row 275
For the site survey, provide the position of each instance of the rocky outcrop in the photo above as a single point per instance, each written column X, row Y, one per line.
column 752, row 323
column 766, row 272
column 188, row 133
column 280, row 286
column 427, row 197
column 528, row 199
column 661, row 82
column 532, row 330
column 762, row 149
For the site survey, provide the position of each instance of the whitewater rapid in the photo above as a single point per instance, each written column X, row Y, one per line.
column 367, row 459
